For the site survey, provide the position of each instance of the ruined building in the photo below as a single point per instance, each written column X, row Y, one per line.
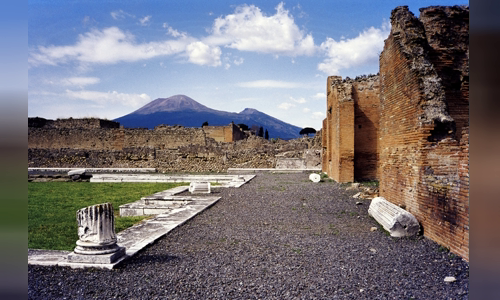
column 96, row 143
column 408, row 127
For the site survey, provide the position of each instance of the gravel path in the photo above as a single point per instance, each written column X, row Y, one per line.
column 278, row 237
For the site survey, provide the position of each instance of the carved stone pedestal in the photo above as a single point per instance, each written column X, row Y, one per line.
column 97, row 238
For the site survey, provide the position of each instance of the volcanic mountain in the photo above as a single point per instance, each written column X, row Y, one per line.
column 182, row 110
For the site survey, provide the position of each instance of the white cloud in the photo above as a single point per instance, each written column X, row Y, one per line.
column 145, row 21
column 132, row 100
column 347, row 53
column 238, row 61
column 80, row 81
column 203, row 54
column 320, row 96
column 174, row 32
column 300, row 100
column 306, row 110
column 318, row 115
column 286, row 105
column 227, row 66
column 271, row 84
column 108, row 46
column 248, row 29
column 120, row 15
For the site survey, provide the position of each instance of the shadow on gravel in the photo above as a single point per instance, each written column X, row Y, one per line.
column 146, row 259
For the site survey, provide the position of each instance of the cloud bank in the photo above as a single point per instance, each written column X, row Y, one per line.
column 247, row 29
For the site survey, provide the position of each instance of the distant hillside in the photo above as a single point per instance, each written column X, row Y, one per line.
column 182, row 110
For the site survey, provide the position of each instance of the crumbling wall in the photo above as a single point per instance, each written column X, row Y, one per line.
column 351, row 128
column 419, row 147
column 167, row 148
column 88, row 123
column 114, row 138
column 447, row 34
column 254, row 152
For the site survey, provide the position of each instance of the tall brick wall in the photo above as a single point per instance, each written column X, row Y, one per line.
column 340, row 132
column 411, row 123
column 419, row 147
column 366, row 95
column 350, row 136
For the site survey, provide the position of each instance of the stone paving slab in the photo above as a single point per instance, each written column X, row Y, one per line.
column 224, row 180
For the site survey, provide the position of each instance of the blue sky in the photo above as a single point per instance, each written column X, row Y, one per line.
column 108, row 58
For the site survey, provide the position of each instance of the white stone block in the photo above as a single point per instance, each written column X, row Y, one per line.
column 315, row 177
column 76, row 172
column 199, row 187
column 397, row 221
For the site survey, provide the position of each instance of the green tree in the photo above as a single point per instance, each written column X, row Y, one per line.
column 267, row 135
column 261, row 132
column 243, row 126
column 307, row 131
column 204, row 124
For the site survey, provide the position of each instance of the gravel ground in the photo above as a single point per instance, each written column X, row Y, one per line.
column 278, row 237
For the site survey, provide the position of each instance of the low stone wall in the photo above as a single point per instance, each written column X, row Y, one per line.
column 254, row 152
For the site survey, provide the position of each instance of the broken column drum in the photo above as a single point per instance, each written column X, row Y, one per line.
column 199, row 187
column 397, row 221
column 96, row 230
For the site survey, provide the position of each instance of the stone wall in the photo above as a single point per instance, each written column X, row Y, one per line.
column 167, row 148
column 88, row 123
column 421, row 153
column 254, row 152
column 162, row 137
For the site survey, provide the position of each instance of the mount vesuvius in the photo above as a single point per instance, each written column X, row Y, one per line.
column 182, row 110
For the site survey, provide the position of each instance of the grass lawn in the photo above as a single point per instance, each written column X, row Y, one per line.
column 52, row 208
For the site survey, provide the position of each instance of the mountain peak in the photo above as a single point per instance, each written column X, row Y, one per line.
column 173, row 103
column 249, row 111
column 182, row 110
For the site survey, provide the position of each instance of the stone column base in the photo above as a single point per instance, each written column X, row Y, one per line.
column 108, row 258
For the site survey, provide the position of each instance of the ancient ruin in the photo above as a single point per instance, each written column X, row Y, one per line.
column 397, row 221
column 97, row 241
column 75, row 143
column 408, row 127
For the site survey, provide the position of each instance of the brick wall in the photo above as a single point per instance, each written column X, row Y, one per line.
column 340, row 130
column 423, row 162
column 325, row 155
column 366, row 95
column 350, row 129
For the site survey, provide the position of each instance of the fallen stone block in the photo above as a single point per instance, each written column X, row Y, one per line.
column 76, row 172
column 397, row 221
column 199, row 187
column 315, row 177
